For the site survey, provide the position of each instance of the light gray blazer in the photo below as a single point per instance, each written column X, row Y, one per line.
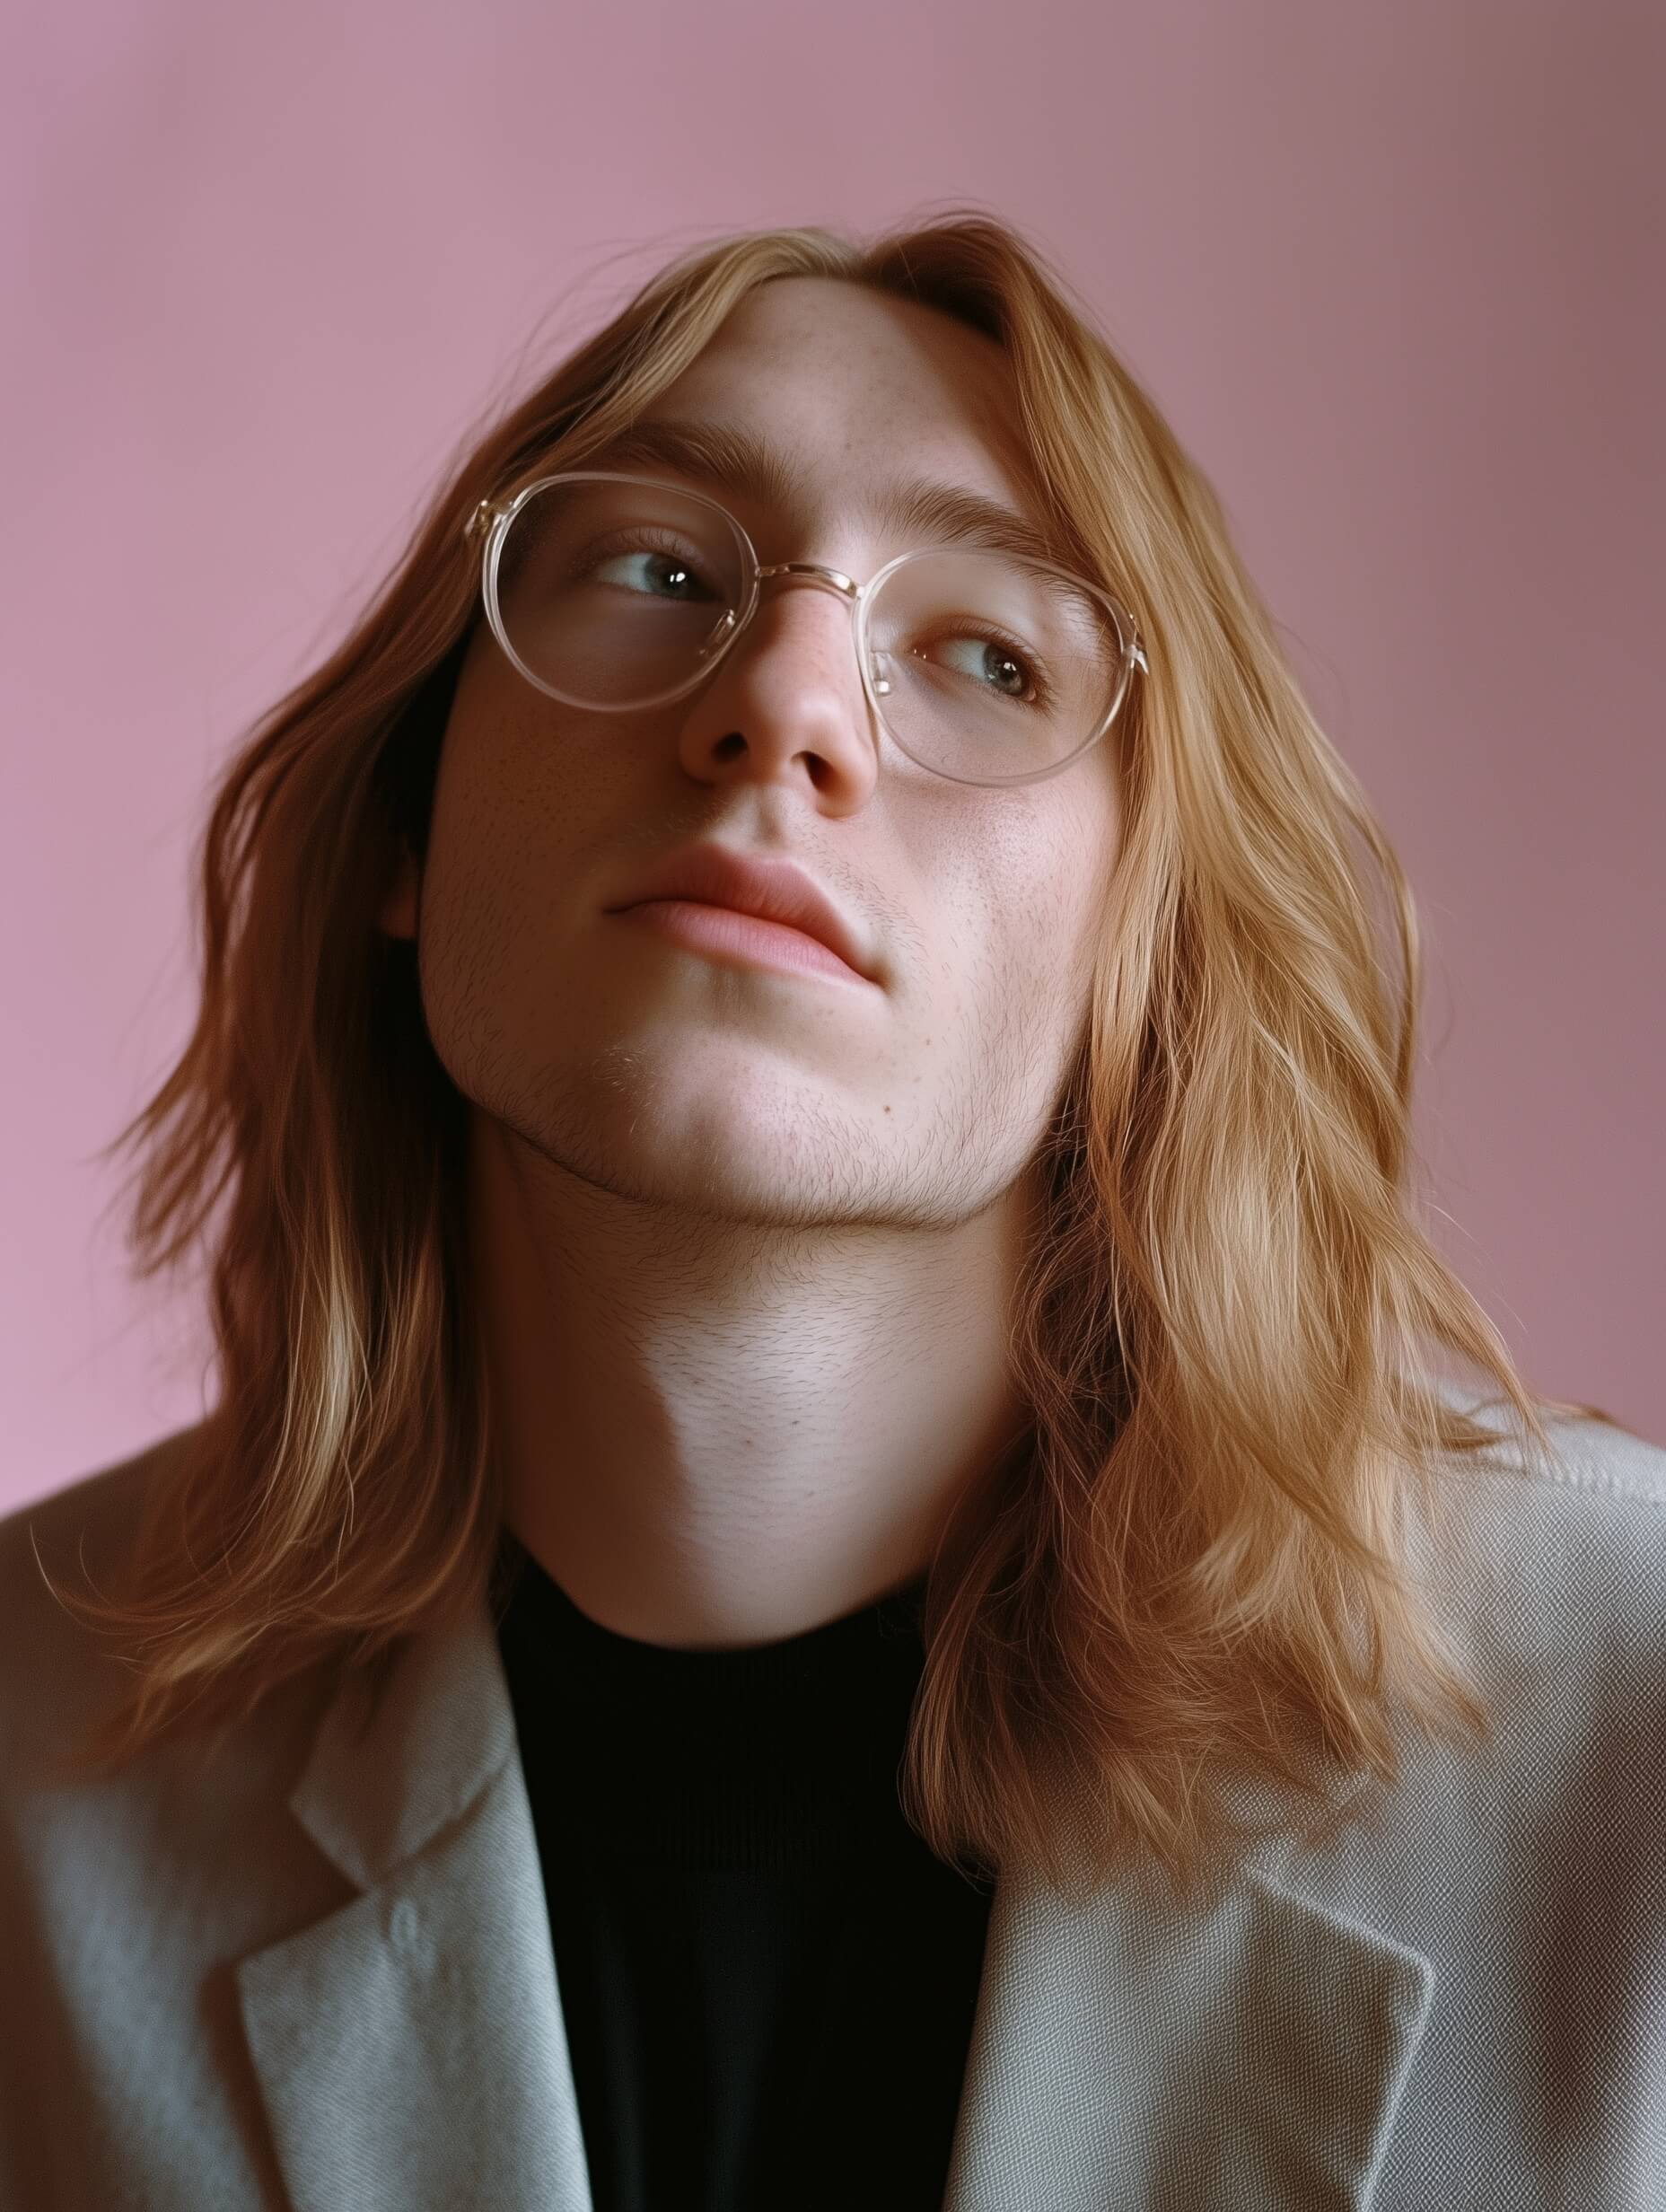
column 315, row 1972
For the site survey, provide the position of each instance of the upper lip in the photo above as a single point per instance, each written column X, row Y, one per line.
column 774, row 889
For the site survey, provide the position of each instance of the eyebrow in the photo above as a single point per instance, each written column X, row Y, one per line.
column 915, row 508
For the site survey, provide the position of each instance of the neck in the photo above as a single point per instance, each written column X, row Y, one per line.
column 715, row 1434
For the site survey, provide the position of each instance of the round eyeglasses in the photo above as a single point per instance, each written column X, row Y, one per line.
column 613, row 591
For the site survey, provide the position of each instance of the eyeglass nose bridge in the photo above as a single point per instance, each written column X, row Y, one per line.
column 809, row 572
column 834, row 578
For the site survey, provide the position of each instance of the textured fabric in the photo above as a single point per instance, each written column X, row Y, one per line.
column 315, row 1970
column 752, row 1946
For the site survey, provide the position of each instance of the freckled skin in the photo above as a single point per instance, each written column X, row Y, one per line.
column 745, row 1241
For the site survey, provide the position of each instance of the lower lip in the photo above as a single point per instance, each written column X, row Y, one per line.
column 741, row 937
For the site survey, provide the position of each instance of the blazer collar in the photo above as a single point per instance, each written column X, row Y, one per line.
column 1245, row 2051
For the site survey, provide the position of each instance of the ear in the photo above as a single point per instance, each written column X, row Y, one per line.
column 396, row 915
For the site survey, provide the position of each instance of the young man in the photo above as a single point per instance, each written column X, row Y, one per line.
column 819, row 1332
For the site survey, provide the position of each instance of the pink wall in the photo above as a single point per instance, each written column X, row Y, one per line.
column 1387, row 268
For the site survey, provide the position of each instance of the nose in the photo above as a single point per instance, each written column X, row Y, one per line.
column 816, row 573
column 790, row 705
column 829, row 580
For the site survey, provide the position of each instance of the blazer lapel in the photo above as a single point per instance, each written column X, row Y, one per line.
column 409, row 2046
column 1243, row 2053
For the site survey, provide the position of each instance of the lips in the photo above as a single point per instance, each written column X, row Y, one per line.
column 775, row 891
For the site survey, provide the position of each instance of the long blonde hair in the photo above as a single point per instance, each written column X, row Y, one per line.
column 1222, row 1332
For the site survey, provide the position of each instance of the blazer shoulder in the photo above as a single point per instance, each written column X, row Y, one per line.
column 1555, row 1563
column 1600, row 1469
column 54, row 1668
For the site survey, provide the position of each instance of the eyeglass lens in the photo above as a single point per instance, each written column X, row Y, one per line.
column 613, row 593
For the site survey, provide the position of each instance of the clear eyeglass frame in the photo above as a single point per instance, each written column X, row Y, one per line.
column 488, row 524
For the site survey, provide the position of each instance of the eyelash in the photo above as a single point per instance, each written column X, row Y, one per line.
column 1041, row 681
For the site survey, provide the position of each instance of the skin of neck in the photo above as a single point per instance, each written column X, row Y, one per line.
column 717, row 1436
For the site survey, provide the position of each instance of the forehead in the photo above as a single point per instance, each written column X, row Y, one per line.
column 849, row 378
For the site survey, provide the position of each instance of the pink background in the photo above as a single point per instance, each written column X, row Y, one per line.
column 1387, row 269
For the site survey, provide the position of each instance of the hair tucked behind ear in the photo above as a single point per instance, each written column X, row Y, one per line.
column 1230, row 1323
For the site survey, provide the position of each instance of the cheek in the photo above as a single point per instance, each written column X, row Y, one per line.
column 489, row 866
column 517, row 864
column 1068, row 894
column 501, row 807
column 1054, row 859
column 1090, row 837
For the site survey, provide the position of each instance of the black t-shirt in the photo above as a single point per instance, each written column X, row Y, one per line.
column 768, row 1981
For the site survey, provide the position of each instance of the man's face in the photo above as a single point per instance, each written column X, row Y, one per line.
column 654, row 1071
